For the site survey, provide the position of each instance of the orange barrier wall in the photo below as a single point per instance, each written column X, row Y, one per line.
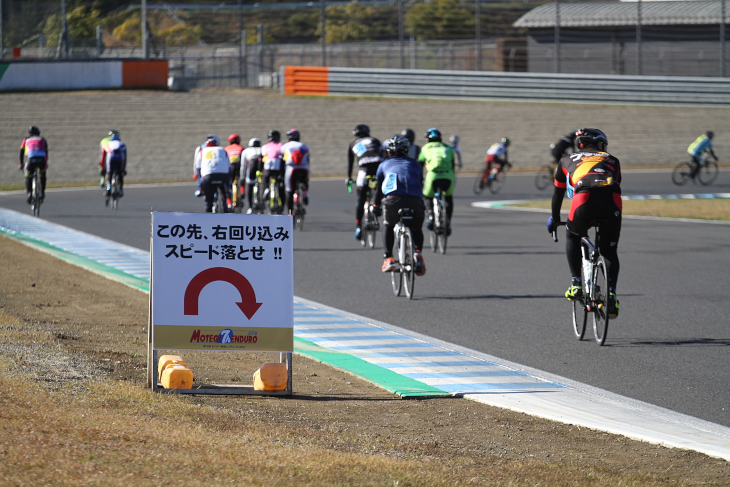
column 144, row 74
column 306, row 80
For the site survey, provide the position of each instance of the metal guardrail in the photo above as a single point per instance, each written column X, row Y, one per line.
column 592, row 89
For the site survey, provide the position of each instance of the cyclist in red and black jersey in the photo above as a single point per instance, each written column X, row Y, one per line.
column 592, row 178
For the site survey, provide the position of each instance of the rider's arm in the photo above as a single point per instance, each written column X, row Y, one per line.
column 712, row 152
column 350, row 161
column 559, row 192
column 22, row 153
column 380, row 177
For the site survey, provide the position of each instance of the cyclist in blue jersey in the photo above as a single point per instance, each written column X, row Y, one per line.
column 400, row 185
column 701, row 144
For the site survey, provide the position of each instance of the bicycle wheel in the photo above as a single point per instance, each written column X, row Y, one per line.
column 442, row 235
column 408, row 263
column 479, row 183
column 580, row 316
column 396, row 277
column 681, row 173
column 707, row 173
column 371, row 235
column 497, row 182
column 599, row 300
column 298, row 219
column 36, row 200
column 543, row 177
column 256, row 198
column 115, row 192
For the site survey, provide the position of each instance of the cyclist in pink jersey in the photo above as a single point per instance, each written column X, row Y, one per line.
column 34, row 157
column 273, row 165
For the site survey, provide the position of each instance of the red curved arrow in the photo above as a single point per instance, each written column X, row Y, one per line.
column 248, row 303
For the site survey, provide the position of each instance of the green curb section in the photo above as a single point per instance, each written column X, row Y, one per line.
column 84, row 262
column 381, row 377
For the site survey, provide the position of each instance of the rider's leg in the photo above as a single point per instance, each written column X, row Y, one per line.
column 29, row 172
column 208, row 191
column 576, row 227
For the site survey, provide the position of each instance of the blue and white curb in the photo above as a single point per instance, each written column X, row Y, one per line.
column 457, row 370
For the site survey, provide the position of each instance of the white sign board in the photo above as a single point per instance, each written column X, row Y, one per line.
column 222, row 282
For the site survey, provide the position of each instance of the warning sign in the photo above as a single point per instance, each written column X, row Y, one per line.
column 222, row 282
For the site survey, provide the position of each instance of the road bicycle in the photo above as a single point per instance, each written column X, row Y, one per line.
column 404, row 277
column 370, row 224
column 594, row 270
column 219, row 197
column 113, row 191
column 705, row 174
column 257, row 196
column 439, row 230
column 545, row 175
column 273, row 197
column 494, row 179
column 299, row 211
column 36, row 198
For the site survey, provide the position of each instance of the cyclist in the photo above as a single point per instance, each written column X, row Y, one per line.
column 454, row 143
column 562, row 146
column 102, row 168
column 592, row 178
column 114, row 159
column 497, row 154
column 414, row 150
column 400, row 183
column 438, row 159
column 701, row 144
column 296, row 169
column 234, row 150
column 366, row 151
column 251, row 164
column 198, row 192
column 34, row 157
column 271, row 153
column 212, row 167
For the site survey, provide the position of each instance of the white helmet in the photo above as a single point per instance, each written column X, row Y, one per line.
column 255, row 142
column 214, row 138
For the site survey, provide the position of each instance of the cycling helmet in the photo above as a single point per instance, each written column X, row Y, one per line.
column 361, row 130
column 113, row 132
column 33, row 130
column 505, row 141
column 115, row 136
column 409, row 134
column 292, row 134
column 454, row 139
column 255, row 142
column 274, row 135
column 234, row 139
column 433, row 135
column 212, row 140
column 710, row 134
column 398, row 145
column 592, row 138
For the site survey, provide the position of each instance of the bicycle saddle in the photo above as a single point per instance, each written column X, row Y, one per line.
column 405, row 213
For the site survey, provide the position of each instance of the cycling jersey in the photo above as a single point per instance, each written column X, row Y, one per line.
column 211, row 160
column 114, row 153
column 400, row 176
column 583, row 171
column 365, row 151
column 700, row 145
column 34, row 146
column 234, row 153
column 295, row 154
column 498, row 149
column 561, row 146
column 250, row 163
column 272, row 156
column 438, row 159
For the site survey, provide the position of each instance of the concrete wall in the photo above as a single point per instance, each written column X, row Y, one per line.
column 162, row 128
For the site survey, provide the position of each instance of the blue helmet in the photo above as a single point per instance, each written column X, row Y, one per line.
column 433, row 135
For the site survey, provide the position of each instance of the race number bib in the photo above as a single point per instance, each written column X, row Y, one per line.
column 390, row 184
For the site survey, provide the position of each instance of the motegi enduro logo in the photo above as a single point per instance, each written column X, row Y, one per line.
column 225, row 336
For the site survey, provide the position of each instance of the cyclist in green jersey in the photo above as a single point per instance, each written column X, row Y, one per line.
column 438, row 159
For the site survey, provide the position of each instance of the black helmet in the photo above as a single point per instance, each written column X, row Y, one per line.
column 505, row 141
column 710, row 134
column 292, row 134
column 361, row 130
column 409, row 134
column 33, row 130
column 274, row 135
column 433, row 135
column 398, row 145
column 592, row 138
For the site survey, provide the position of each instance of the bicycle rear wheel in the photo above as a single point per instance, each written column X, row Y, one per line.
column 115, row 192
column 442, row 234
column 707, row 173
column 497, row 182
column 599, row 301
column 36, row 198
column 396, row 277
column 580, row 316
column 479, row 183
column 543, row 177
column 681, row 173
column 408, row 263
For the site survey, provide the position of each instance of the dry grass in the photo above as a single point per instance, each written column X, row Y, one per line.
column 702, row 209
